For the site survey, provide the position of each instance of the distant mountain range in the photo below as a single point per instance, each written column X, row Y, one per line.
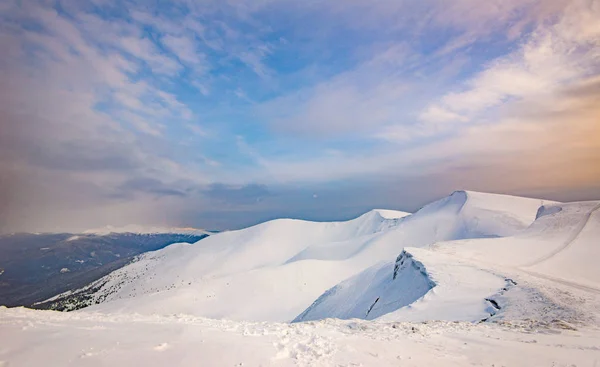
column 37, row 266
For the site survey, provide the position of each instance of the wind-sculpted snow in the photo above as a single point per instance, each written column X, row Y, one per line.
column 576, row 259
column 377, row 290
column 275, row 270
column 563, row 244
column 418, row 286
column 474, row 215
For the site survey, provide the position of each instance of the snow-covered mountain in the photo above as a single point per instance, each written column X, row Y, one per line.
column 281, row 267
column 517, row 277
column 559, row 245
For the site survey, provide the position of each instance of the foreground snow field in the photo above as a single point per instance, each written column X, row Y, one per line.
column 34, row 338
column 471, row 279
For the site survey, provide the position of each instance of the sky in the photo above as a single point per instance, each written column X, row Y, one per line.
column 221, row 114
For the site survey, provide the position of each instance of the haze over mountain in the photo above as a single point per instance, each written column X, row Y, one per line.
column 36, row 266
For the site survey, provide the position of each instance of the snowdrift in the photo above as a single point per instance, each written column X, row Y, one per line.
column 562, row 244
column 409, row 290
column 374, row 292
column 576, row 256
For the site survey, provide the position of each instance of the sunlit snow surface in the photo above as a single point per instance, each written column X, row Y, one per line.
column 472, row 279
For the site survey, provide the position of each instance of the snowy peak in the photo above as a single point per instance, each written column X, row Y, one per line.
column 284, row 229
column 524, row 209
column 375, row 221
column 484, row 215
column 390, row 214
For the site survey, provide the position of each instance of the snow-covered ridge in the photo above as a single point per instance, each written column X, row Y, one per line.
column 275, row 270
column 562, row 244
column 378, row 290
column 418, row 286
column 478, row 214
column 391, row 214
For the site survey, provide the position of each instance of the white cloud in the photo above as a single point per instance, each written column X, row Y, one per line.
column 186, row 50
column 554, row 56
column 197, row 130
column 142, row 124
column 370, row 95
column 254, row 59
column 95, row 99
column 437, row 114
column 145, row 50
column 211, row 162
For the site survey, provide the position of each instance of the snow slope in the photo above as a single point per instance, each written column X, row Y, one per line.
column 409, row 290
column 281, row 267
column 253, row 264
column 563, row 244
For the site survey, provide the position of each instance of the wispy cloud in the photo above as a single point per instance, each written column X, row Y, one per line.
column 199, row 107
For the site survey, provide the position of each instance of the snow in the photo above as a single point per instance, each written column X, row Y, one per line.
column 391, row 214
column 408, row 290
column 32, row 338
column 561, row 244
column 471, row 279
column 568, row 261
column 281, row 267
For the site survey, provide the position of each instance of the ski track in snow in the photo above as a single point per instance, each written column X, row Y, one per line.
column 563, row 281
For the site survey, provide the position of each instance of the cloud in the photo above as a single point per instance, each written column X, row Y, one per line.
column 253, row 58
column 197, row 130
column 73, row 100
column 554, row 55
column 437, row 114
column 198, row 113
column 237, row 195
column 146, row 51
column 142, row 124
column 148, row 185
column 186, row 51
column 370, row 95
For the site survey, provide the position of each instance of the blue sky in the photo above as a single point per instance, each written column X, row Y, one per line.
column 221, row 114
